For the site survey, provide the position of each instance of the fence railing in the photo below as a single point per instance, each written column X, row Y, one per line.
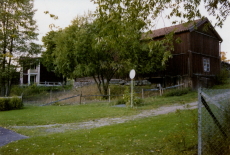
column 49, row 84
column 214, row 122
column 81, row 98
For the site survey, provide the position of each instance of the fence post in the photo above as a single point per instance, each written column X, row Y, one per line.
column 80, row 97
column 109, row 95
column 161, row 90
column 199, row 123
column 142, row 93
column 51, row 95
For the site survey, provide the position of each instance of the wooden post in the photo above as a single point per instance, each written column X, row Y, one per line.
column 161, row 90
column 80, row 97
column 109, row 95
column 142, row 93
column 51, row 95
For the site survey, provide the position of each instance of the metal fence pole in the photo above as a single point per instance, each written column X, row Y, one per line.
column 199, row 123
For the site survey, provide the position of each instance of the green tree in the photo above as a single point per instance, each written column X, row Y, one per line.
column 102, row 47
column 188, row 10
column 115, row 39
column 18, row 30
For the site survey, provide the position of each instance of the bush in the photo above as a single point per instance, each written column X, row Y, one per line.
column 222, row 78
column 120, row 101
column 127, row 98
column 10, row 103
column 177, row 92
column 34, row 90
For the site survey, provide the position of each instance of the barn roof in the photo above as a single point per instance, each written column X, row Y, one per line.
column 185, row 27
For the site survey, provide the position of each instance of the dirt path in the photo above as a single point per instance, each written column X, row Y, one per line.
column 109, row 121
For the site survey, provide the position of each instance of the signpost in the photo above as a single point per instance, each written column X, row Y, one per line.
column 132, row 74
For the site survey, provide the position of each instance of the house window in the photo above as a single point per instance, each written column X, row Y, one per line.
column 206, row 64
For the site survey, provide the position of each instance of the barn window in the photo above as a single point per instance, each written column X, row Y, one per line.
column 206, row 64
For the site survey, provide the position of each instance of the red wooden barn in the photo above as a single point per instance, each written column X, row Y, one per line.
column 196, row 60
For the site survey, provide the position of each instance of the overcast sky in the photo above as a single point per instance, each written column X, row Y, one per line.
column 67, row 10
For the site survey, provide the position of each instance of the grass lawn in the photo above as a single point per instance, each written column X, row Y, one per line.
column 165, row 134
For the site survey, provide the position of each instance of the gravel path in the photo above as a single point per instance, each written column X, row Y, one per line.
column 109, row 121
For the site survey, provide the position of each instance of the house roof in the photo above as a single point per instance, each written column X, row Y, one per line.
column 183, row 28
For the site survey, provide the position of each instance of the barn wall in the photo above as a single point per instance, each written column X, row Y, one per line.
column 183, row 46
column 203, row 46
column 178, row 64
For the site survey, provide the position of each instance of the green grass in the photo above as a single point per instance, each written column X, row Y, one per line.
column 36, row 115
column 154, row 135
column 42, row 115
column 165, row 134
column 158, row 101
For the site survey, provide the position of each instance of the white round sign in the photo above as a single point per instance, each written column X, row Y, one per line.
column 132, row 74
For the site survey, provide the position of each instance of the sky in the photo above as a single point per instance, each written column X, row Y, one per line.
column 67, row 10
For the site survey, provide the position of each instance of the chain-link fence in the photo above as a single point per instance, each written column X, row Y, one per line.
column 214, row 122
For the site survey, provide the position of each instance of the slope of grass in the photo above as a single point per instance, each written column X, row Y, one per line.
column 35, row 115
column 165, row 134
column 171, row 133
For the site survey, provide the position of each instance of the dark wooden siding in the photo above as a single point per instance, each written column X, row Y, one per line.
column 198, row 69
column 178, row 65
column 203, row 46
column 183, row 46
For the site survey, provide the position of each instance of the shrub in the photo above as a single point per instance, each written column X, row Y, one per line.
column 222, row 78
column 34, row 90
column 120, row 101
column 10, row 103
column 177, row 92
column 127, row 98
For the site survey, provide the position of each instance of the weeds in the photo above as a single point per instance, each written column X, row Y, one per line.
column 177, row 92
column 181, row 141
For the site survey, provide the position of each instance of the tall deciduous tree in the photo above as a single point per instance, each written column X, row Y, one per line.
column 116, row 38
column 17, row 33
column 103, row 46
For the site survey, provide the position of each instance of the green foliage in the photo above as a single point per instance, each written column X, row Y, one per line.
column 17, row 35
column 120, row 101
column 107, row 44
column 10, row 103
column 223, row 77
column 177, row 92
column 127, row 98
column 33, row 90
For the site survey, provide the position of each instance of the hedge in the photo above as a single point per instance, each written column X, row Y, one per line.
column 10, row 103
